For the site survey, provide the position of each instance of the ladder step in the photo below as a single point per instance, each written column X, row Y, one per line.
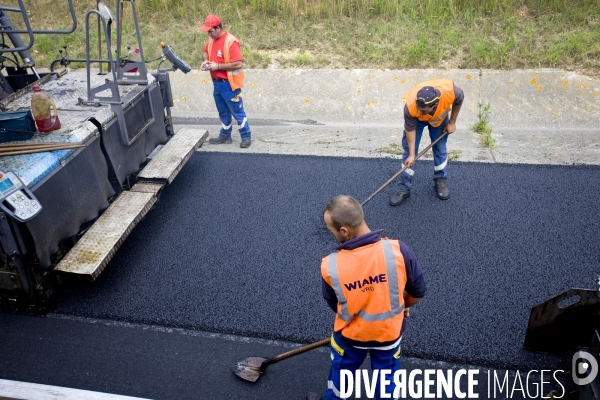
column 173, row 156
column 147, row 187
column 94, row 250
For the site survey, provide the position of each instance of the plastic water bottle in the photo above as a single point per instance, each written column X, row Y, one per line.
column 134, row 55
column 41, row 107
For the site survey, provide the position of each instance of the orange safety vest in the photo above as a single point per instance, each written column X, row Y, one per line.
column 446, row 87
column 235, row 78
column 369, row 283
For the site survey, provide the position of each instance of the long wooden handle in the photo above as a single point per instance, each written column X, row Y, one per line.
column 17, row 151
column 34, row 144
column 294, row 352
column 425, row 150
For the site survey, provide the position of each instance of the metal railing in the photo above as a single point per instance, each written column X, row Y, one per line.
column 29, row 31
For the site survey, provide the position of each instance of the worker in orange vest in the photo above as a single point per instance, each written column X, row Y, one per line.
column 223, row 58
column 368, row 282
column 433, row 104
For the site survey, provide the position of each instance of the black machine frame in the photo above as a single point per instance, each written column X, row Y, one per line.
column 93, row 176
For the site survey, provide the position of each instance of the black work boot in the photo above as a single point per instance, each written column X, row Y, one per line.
column 441, row 190
column 219, row 140
column 399, row 197
column 245, row 143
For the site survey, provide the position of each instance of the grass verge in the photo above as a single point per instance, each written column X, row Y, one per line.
column 393, row 34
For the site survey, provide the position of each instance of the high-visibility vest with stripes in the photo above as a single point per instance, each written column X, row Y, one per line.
column 446, row 87
column 369, row 283
column 235, row 78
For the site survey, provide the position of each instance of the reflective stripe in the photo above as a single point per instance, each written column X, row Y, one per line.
column 441, row 166
column 331, row 386
column 390, row 263
column 395, row 308
column 410, row 171
column 230, row 38
column 225, row 126
column 380, row 316
column 243, row 123
column 236, row 78
column 335, row 282
column 210, row 44
column 440, row 119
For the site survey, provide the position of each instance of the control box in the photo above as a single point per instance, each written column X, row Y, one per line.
column 16, row 199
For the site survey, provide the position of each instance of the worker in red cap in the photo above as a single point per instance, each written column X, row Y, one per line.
column 223, row 58
column 433, row 104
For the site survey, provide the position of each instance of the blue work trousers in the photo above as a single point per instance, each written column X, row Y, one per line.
column 230, row 106
column 352, row 359
column 440, row 153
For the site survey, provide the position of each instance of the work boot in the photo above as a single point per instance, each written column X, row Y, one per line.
column 441, row 190
column 399, row 197
column 313, row 396
column 219, row 140
column 245, row 143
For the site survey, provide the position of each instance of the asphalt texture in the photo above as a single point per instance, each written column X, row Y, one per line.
column 148, row 362
column 234, row 246
column 164, row 363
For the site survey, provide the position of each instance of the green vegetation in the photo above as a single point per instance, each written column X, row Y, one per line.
column 393, row 34
column 392, row 148
column 484, row 129
column 454, row 155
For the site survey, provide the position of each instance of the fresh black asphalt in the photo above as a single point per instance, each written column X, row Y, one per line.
column 234, row 246
column 163, row 363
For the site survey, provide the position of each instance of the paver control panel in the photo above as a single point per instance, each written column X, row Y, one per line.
column 16, row 199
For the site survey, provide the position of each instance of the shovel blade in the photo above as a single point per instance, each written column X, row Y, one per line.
column 249, row 369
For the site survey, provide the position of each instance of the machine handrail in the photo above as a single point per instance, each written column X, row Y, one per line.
column 21, row 9
column 38, row 31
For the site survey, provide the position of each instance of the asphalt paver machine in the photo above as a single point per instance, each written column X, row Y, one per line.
column 65, row 212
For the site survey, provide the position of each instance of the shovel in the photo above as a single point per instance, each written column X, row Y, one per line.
column 251, row 368
column 425, row 150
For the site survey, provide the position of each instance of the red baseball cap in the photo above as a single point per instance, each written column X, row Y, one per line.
column 210, row 22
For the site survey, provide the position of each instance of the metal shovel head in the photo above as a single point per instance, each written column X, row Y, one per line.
column 249, row 369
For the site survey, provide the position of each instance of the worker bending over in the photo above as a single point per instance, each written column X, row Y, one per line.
column 368, row 282
column 428, row 105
